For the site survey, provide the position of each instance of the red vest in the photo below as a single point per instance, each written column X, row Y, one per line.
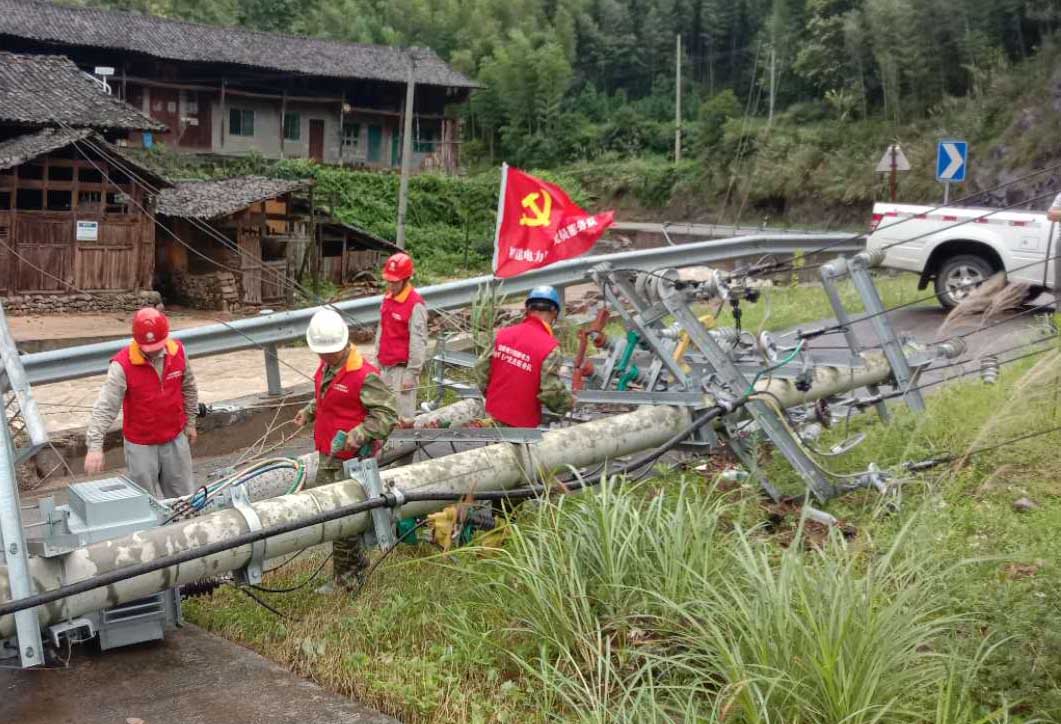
column 153, row 409
column 340, row 407
column 516, row 373
column 394, row 328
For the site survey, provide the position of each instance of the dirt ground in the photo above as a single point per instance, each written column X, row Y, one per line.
column 62, row 326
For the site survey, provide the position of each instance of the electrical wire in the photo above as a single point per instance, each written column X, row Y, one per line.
column 379, row 561
column 268, row 607
column 291, row 589
column 956, row 202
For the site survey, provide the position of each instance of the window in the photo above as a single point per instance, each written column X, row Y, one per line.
column 89, row 201
column 424, row 141
column 60, row 173
column 240, row 122
column 5, row 200
column 351, row 136
column 31, row 172
column 89, row 175
column 59, row 200
column 117, row 203
column 29, row 200
column 292, row 127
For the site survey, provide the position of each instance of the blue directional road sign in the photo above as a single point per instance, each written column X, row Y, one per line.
column 951, row 161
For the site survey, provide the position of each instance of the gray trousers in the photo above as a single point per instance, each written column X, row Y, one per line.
column 393, row 377
column 164, row 470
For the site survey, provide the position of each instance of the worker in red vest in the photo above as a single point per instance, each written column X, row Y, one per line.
column 152, row 384
column 401, row 339
column 352, row 412
column 521, row 370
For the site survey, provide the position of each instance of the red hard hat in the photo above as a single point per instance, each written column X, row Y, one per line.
column 398, row 267
column 150, row 329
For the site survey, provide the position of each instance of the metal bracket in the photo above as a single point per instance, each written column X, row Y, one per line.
column 529, row 462
column 366, row 472
column 251, row 574
column 893, row 348
column 737, row 383
column 67, row 628
column 829, row 274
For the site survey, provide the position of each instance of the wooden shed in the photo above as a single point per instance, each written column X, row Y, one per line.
column 244, row 241
column 72, row 217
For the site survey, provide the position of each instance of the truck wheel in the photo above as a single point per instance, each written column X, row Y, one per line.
column 959, row 276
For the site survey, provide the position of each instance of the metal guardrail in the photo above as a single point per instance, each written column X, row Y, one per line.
column 83, row 361
column 706, row 231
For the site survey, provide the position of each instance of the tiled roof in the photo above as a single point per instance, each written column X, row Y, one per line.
column 49, row 90
column 193, row 42
column 17, row 151
column 211, row 199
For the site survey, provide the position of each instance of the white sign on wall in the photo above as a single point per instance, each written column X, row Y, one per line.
column 88, row 231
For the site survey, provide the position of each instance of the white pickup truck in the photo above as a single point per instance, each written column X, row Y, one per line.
column 955, row 256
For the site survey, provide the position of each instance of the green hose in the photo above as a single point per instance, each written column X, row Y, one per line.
column 782, row 363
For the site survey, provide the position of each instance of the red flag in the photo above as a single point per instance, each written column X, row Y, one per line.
column 538, row 224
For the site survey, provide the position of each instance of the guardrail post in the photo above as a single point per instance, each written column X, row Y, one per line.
column 272, row 366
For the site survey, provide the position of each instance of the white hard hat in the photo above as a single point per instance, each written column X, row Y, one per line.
column 327, row 332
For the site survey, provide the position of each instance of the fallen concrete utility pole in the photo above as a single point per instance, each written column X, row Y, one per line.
column 495, row 467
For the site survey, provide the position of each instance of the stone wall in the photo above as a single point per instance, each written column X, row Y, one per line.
column 23, row 304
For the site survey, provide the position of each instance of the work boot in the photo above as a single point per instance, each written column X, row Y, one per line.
column 349, row 563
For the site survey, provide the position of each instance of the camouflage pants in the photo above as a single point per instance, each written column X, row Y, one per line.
column 348, row 554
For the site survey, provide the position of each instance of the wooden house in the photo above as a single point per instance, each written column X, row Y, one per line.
column 74, row 213
column 232, row 91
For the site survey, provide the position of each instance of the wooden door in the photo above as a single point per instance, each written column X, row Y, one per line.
column 375, row 144
column 111, row 262
column 166, row 108
column 46, row 247
column 250, row 246
column 197, row 107
column 316, row 139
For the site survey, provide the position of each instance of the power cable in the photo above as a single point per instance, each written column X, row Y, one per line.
column 957, row 202
column 282, row 280
column 277, row 612
column 952, row 457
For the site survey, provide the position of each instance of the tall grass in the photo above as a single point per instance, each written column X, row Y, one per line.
column 656, row 604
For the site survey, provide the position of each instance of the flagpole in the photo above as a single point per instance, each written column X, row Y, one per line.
column 500, row 214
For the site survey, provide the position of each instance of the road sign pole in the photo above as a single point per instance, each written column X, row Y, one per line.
column 894, row 170
column 946, row 193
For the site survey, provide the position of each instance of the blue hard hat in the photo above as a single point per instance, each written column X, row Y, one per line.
column 545, row 294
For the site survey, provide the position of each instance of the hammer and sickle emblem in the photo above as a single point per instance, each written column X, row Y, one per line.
column 539, row 215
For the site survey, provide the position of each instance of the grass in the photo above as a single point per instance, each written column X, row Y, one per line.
column 675, row 600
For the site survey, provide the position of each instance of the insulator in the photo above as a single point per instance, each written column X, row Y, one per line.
column 649, row 285
column 810, row 433
column 872, row 258
column 726, row 336
column 989, row 369
column 952, row 348
column 672, row 332
column 200, row 588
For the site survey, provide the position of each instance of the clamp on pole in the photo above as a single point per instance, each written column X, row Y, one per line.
column 250, row 574
column 366, row 472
